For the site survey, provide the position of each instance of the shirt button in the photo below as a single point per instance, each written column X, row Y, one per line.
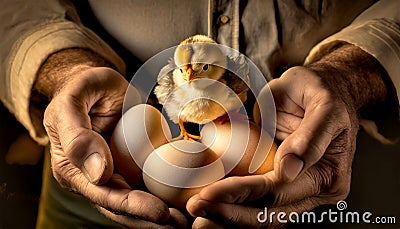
column 224, row 19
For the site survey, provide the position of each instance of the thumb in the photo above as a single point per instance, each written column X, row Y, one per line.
column 308, row 143
column 90, row 153
column 324, row 118
column 68, row 124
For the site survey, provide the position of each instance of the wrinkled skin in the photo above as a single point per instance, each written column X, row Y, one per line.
column 318, row 132
column 81, row 114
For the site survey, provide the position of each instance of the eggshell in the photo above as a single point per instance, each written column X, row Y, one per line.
column 176, row 171
column 137, row 134
column 241, row 150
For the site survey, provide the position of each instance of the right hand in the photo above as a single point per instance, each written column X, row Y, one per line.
column 312, row 165
column 83, row 111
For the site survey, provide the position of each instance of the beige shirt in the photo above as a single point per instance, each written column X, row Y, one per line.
column 273, row 34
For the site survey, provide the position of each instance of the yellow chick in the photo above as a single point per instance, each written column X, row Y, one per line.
column 189, row 88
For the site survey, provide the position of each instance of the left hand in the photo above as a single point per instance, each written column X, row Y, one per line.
column 77, row 120
column 312, row 166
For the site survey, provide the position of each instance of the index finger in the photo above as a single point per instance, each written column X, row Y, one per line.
column 265, row 189
column 121, row 200
column 238, row 189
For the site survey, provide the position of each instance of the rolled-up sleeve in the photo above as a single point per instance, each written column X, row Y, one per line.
column 31, row 31
column 376, row 31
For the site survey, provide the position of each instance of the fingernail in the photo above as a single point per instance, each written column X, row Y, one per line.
column 291, row 166
column 93, row 167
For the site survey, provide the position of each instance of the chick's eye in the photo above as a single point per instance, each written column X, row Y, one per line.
column 205, row 67
column 181, row 70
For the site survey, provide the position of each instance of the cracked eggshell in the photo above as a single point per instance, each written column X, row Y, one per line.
column 140, row 130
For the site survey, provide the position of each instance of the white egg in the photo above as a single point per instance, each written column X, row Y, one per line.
column 141, row 129
column 243, row 146
column 176, row 171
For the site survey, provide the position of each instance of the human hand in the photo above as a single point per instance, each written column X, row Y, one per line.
column 317, row 124
column 80, row 116
column 309, row 119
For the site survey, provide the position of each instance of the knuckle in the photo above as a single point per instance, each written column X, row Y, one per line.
column 48, row 118
column 332, row 181
column 236, row 198
column 316, row 182
column 325, row 178
column 119, row 205
column 281, row 199
column 326, row 95
column 315, row 151
column 124, row 202
column 64, row 176
column 74, row 140
column 65, row 173
column 233, row 217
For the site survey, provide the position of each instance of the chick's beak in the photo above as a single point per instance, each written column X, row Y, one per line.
column 188, row 74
